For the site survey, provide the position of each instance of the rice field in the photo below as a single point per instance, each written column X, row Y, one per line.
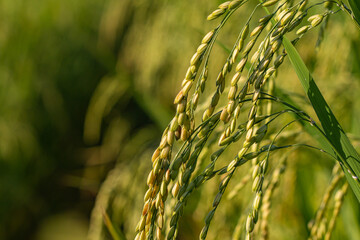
column 179, row 120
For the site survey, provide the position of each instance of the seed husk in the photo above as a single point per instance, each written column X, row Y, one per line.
column 209, row 217
column 255, row 57
column 249, row 46
column 215, row 14
column 286, row 18
column 245, row 32
column 207, row 113
column 151, row 178
column 217, row 199
column 250, row 124
column 224, row 114
column 315, row 20
column 257, row 183
column 234, row 55
column 184, row 134
column 225, row 141
column 264, row 65
column 269, row 72
column 265, row 19
column 219, row 78
column 181, row 118
column 147, row 194
column 256, row 30
column 242, row 153
column 232, row 92
column 171, row 233
column 256, row 171
column 259, row 81
column 195, row 58
column 163, row 189
column 264, row 165
column 230, row 107
column 269, row 3
column 262, row 129
column 145, row 208
column 170, row 137
column 225, row 69
column 175, row 189
column 155, row 154
column 251, row 155
column 231, row 165
column 303, row 5
column 201, row 49
column 142, row 223
column 255, row 215
column 189, row 74
column 179, row 97
column 276, row 45
column 249, row 223
column 215, row 99
column 282, row 14
column 235, row 78
column 195, row 100
column 204, row 232
column 257, row 200
column 294, row 24
column 303, row 30
column 233, row 125
column 249, row 134
column 240, row 45
column 137, row 235
column 278, row 61
column 241, row 64
column 252, row 112
column 208, row 37
column 157, row 167
column 187, row 87
column 328, row 4
column 235, row 4
column 256, row 95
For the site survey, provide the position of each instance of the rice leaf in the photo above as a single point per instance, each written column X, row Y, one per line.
column 355, row 7
column 115, row 233
column 345, row 152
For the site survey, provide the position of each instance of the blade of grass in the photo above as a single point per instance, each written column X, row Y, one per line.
column 115, row 233
column 336, row 137
column 355, row 7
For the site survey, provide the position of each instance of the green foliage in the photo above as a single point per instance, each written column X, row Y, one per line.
column 176, row 172
column 88, row 85
column 355, row 8
column 334, row 134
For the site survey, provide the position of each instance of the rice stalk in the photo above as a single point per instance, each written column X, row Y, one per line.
column 261, row 51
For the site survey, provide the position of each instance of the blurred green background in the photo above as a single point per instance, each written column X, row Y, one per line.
column 87, row 86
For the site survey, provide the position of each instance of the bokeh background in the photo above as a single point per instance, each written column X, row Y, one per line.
column 86, row 89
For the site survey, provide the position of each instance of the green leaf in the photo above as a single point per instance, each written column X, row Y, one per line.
column 115, row 233
column 355, row 8
column 333, row 132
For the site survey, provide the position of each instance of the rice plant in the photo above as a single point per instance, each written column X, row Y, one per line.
column 224, row 155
